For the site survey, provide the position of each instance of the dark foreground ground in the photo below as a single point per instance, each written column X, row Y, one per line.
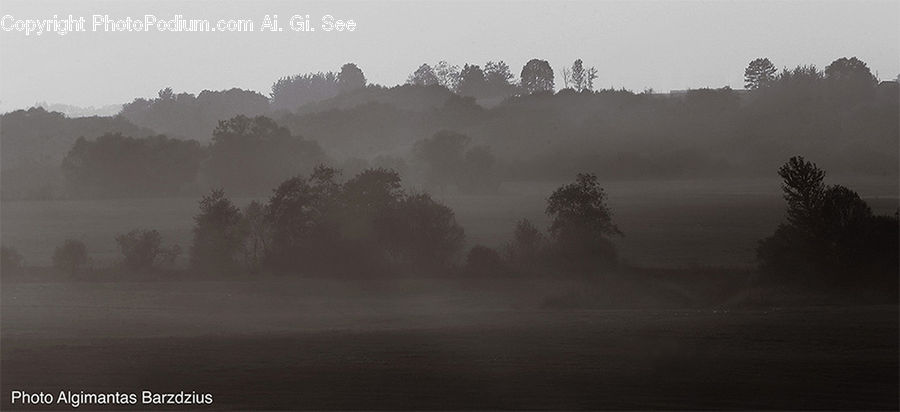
column 424, row 354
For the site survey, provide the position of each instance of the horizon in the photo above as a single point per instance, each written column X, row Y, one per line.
column 635, row 46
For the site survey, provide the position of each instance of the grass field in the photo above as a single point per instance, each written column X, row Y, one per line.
column 436, row 344
column 682, row 223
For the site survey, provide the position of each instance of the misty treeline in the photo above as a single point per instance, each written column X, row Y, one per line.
column 365, row 225
column 370, row 225
column 508, row 128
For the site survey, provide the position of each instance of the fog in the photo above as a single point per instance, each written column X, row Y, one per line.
column 540, row 205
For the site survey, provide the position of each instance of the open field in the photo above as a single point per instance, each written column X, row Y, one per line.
column 666, row 223
column 438, row 344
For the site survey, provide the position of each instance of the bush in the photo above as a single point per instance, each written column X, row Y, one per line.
column 70, row 257
column 10, row 260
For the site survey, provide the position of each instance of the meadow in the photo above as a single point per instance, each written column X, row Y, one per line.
column 435, row 344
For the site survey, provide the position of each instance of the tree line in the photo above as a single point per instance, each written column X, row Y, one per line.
column 369, row 225
column 840, row 115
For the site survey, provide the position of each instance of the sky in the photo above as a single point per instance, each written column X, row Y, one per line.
column 635, row 45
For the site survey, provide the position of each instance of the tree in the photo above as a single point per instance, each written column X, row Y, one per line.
column 140, row 248
column 850, row 79
column 114, row 165
column 258, row 235
column 803, row 191
column 367, row 199
column 471, row 81
column 447, row 74
column 498, row 79
column 537, row 76
column 425, row 233
column 582, row 222
column 443, row 156
column 350, row 78
column 185, row 115
column 581, row 78
column 831, row 240
column 759, row 74
column 527, row 244
column 71, row 256
column 423, row 76
column 267, row 154
column 218, row 235
column 291, row 92
column 303, row 218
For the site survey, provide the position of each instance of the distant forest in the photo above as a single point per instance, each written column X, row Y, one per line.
column 464, row 128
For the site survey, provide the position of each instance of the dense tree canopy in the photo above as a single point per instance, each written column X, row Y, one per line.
column 251, row 155
column 114, row 165
column 537, row 76
column 759, row 73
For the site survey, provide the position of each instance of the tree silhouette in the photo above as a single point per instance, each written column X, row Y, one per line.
column 581, row 78
column 218, row 235
column 803, row 191
column 582, row 222
column 423, row 76
column 498, row 79
column 447, row 74
column 351, row 78
column 289, row 93
column 140, row 248
column 831, row 241
column 850, row 80
column 537, row 76
column 443, row 156
column 471, row 81
column 527, row 245
column 266, row 152
column 759, row 73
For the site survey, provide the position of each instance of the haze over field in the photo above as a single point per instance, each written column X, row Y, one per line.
column 526, row 205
